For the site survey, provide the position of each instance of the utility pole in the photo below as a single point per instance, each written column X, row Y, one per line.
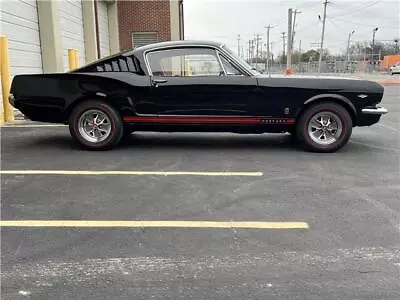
column 294, row 24
column 322, row 37
column 283, row 53
column 373, row 43
column 258, row 38
column 268, row 31
column 238, row 40
column 348, row 50
column 252, row 50
column 272, row 52
column 299, row 51
column 249, row 52
column 289, row 42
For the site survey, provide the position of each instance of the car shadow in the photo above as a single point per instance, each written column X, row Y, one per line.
column 145, row 141
column 59, row 142
column 185, row 141
column 207, row 141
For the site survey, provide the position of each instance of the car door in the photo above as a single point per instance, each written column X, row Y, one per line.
column 193, row 82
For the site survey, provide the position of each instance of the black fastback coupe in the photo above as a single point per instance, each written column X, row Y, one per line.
column 195, row 86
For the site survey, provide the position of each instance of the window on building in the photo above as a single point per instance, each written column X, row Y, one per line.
column 185, row 62
column 143, row 38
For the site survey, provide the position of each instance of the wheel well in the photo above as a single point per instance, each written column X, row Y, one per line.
column 80, row 100
column 331, row 100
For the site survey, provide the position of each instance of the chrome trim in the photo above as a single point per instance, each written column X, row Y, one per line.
column 11, row 99
column 228, row 58
column 375, row 111
column 220, row 62
column 100, row 94
column 171, row 47
column 211, row 116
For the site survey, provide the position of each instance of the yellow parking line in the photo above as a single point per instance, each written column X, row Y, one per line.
column 159, row 224
column 159, row 173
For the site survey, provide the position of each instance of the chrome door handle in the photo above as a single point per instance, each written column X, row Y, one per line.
column 156, row 82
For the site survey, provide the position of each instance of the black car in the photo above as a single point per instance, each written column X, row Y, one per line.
column 194, row 86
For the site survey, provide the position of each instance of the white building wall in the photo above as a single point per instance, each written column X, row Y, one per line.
column 19, row 23
column 104, row 33
column 71, row 29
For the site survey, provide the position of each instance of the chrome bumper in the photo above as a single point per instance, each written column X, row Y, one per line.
column 11, row 99
column 375, row 111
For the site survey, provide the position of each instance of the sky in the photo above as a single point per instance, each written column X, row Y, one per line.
column 223, row 20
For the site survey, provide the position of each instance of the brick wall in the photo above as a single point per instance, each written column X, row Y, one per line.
column 143, row 16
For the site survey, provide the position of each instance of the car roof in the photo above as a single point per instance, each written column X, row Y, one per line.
column 170, row 44
column 138, row 52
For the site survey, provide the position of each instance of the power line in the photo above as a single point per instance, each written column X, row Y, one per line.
column 310, row 5
column 307, row 26
column 357, row 9
column 333, row 23
column 365, row 25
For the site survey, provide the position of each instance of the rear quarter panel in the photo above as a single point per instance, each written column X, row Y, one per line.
column 50, row 97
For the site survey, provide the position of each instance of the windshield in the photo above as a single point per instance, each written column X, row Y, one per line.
column 241, row 60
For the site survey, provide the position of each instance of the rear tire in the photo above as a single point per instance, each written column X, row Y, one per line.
column 96, row 125
column 324, row 127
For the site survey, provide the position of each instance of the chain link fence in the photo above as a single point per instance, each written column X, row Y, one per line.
column 326, row 67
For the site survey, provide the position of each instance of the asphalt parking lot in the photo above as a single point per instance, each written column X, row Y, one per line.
column 349, row 200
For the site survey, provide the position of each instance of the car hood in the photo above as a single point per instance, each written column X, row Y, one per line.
column 309, row 77
column 325, row 83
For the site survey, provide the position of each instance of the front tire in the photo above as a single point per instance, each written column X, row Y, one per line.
column 324, row 127
column 96, row 125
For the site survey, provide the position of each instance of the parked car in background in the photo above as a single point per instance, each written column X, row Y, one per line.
column 395, row 69
column 195, row 86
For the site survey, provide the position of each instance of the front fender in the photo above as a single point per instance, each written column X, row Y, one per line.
column 337, row 97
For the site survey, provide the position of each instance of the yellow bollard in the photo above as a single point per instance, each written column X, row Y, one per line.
column 5, row 80
column 76, row 59
column 72, row 59
column 1, row 105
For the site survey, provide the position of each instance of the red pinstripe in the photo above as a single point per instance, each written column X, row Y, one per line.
column 208, row 120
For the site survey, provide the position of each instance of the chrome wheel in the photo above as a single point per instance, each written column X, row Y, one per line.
column 325, row 128
column 94, row 126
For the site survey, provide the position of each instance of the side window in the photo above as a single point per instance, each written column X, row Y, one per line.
column 121, row 64
column 229, row 68
column 185, row 62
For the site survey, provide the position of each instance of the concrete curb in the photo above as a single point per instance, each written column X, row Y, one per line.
column 388, row 82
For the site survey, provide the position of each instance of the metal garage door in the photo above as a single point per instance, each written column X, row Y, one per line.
column 19, row 22
column 71, row 28
column 102, row 16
